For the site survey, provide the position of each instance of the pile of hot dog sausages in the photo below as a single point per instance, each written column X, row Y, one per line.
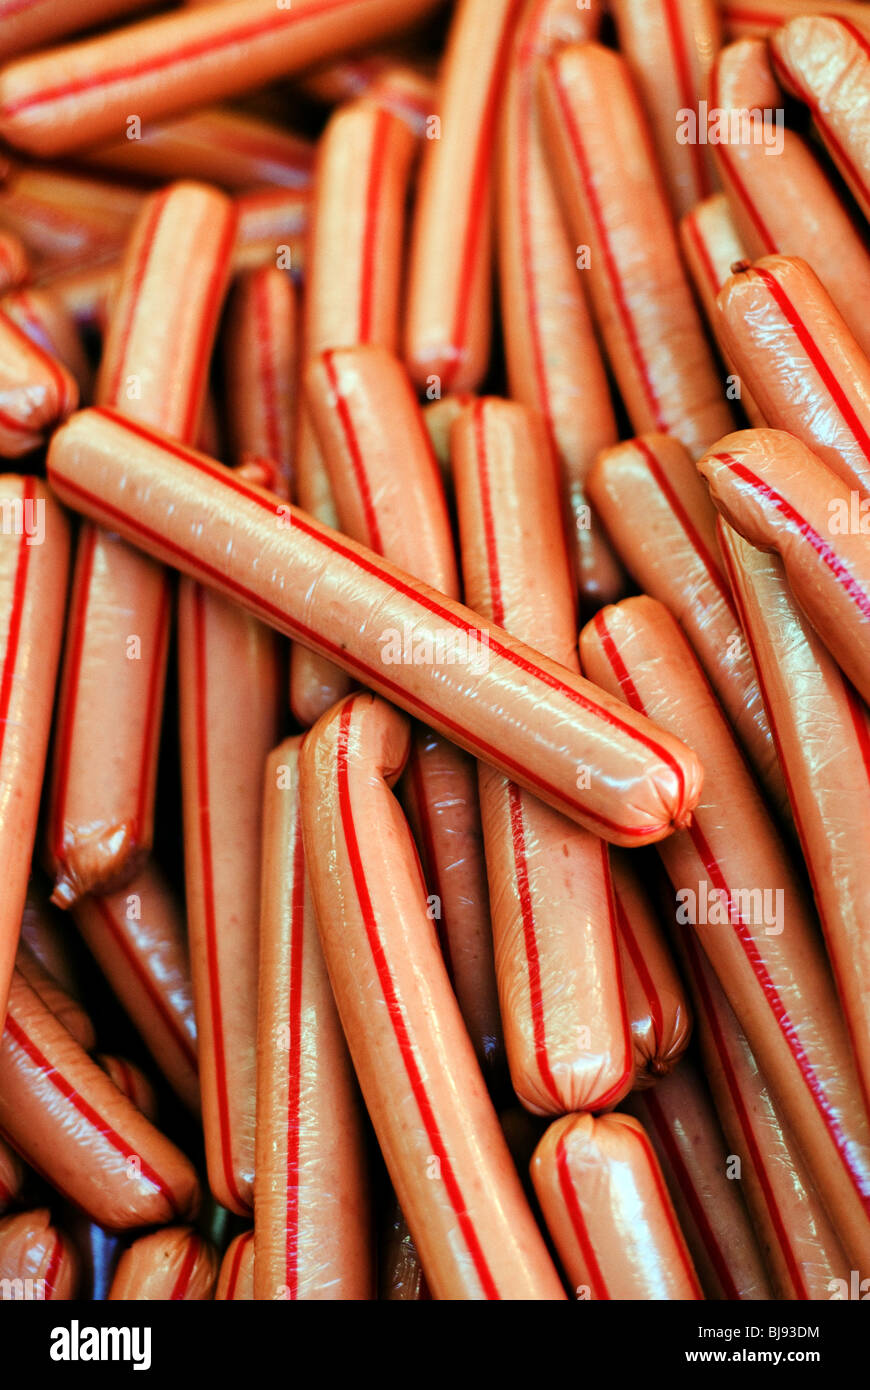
column 355, row 355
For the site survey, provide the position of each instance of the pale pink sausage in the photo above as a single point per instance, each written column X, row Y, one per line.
column 79, row 94
column 808, row 374
column 608, row 1211
column 172, row 1265
column 711, row 246
column 670, row 46
column 33, row 585
column 553, row 361
column 799, row 1244
column 783, row 202
column 43, row 317
column 137, row 937
column 67, row 220
column 36, row 391
column 683, row 1128
column 526, row 714
column 312, row 1234
column 36, row 1259
column 615, row 204
column 27, row 24
column 66, row 1009
column 553, row 920
column 823, row 734
column 781, row 497
column 760, row 18
column 658, row 1011
column 437, row 1129
column 733, row 878
column 132, row 1081
column 154, row 368
column 660, row 519
column 448, row 311
column 259, row 341
column 72, row 1124
column 14, row 264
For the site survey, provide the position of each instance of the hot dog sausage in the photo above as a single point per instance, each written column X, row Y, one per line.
column 823, row 733
column 525, row 714
column 132, row 1081
column 228, row 681
column 36, row 1259
column 388, row 496
column 447, row 322
column 32, row 600
column 154, row 366
column 760, row 18
column 260, row 370
column 797, row 1239
column 553, row 360
column 36, row 391
column 554, row 929
column 825, row 61
column 312, row 1236
column 616, row 208
column 776, row 493
column 174, row 1264
column 236, row 1277
column 809, row 375
column 216, row 144
column 351, row 296
column 608, row 1211
column 65, row 219
column 73, row 1125
column 137, row 938
column 12, row 1175
column 669, row 46
column 658, row 1012
column 35, row 23
column 783, row 203
column 79, row 94
column 67, row 1010
column 762, row 940
column 682, row 1127
column 660, row 519
column 43, row 317
column 710, row 246
column 435, row 1124
column 14, row 265
column 439, row 416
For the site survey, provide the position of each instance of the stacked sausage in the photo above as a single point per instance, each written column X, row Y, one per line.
column 495, row 965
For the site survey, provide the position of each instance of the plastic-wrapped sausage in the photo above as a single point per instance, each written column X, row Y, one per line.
column 797, row 1239
column 608, row 1211
column 825, row 61
column 554, row 929
column 447, row 323
column 734, row 882
column 351, row 296
column 781, row 497
column 236, row 1278
column 229, row 676
column 33, row 580
column 259, row 340
column 77, row 95
column 553, row 361
column 171, row 1265
column 809, row 375
column 217, row 144
column 439, row 416
column 582, row 752
column 682, row 1127
column 154, row 366
column 658, row 1012
column 138, row 940
column 12, row 1176
column 711, row 246
column 71, row 1123
column 14, row 264
column 656, row 509
column 37, row 1261
column 65, row 219
column 401, row 1278
column 389, row 496
column 312, row 1236
column 43, row 317
column 36, row 23
column 781, row 198
column 823, row 733
column 760, row 18
column 36, row 391
column 669, row 46
column 616, row 208
column 435, row 1124
column 132, row 1081
column 66, row 1009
